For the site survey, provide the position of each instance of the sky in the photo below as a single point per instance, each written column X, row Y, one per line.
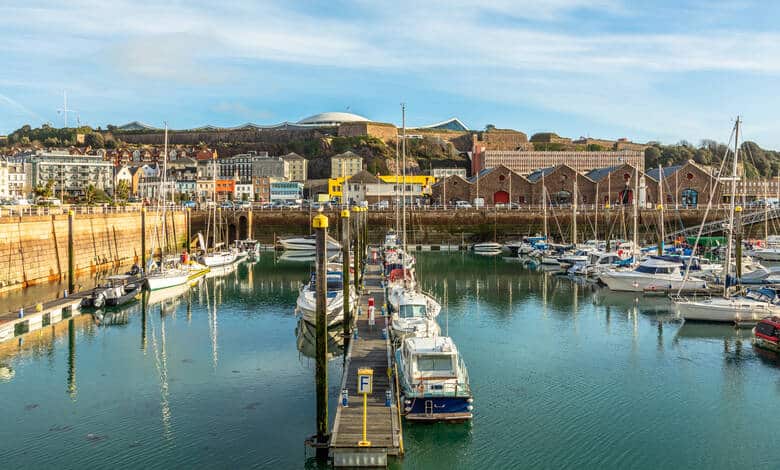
column 663, row 70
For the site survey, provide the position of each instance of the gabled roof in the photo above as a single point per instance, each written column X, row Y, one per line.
column 482, row 173
column 443, row 180
column 666, row 172
column 537, row 175
column 364, row 177
column 599, row 174
column 451, row 124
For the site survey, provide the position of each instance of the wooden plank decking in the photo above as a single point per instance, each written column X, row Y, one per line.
column 373, row 351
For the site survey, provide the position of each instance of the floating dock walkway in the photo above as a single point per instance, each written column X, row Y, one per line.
column 372, row 349
column 35, row 317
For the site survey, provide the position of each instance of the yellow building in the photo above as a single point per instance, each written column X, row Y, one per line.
column 425, row 181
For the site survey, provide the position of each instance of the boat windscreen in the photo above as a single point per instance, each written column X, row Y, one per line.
column 434, row 363
column 411, row 311
column 765, row 329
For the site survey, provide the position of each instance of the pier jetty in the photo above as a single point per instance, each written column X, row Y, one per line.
column 369, row 348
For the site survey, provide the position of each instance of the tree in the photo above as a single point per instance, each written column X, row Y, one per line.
column 110, row 144
column 94, row 140
column 122, row 190
column 90, row 193
column 490, row 127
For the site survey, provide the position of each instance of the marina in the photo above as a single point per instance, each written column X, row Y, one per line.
column 613, row 375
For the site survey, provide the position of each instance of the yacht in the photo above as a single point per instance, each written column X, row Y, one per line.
column 753, row 305
column 433, row 380
column 308, row 243
column 167, row 273
column 415, row 316
column 651, row 274
column 218, row 258
column 307, row 302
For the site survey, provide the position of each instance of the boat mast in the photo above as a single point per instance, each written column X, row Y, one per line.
column 732, row 207
column 544, row 208
column 766, row 210
column 596, row 217
column 164, row 243
column 635, row 249
column 403, row 187
column 574, row 214
column 397, row 202
column 661, row 208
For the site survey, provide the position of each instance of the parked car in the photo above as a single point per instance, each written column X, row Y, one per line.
column 48, row 201
column 226, row 205
column 381, row 205
column 463, row 205
column 189, row 204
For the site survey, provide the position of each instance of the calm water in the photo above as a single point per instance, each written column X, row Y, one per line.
column 564, row 376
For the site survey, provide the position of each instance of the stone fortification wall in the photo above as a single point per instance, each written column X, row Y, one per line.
column 34, row 249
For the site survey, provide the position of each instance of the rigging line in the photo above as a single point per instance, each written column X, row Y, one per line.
column 714, row 182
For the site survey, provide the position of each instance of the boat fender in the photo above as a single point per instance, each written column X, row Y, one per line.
column 421, row 387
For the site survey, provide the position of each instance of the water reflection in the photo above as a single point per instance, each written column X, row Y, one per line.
column 72, row 389
column 306, row 340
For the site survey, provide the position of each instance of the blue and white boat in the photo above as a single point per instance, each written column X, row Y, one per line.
column 434, row 381
column 306, row 304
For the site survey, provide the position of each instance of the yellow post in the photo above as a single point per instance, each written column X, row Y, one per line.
column 365, row 385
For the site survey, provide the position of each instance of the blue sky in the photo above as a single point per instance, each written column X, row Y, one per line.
column 661, row 70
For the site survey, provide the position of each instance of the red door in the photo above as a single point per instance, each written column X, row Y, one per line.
column 500, row 197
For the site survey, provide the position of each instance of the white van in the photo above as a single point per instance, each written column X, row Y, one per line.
column 462, row 205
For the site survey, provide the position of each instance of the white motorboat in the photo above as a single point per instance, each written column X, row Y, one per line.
column 434, row 380
column 651, row 274
column 487, row 247
column 391, row 240
column 308, row 243
column 306, row 304
column 767, row 254
column 754, row 305
column 597, row 263
column 415, row 315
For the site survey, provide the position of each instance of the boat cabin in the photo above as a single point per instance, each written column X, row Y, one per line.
column 431, row 358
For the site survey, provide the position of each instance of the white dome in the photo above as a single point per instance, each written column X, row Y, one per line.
column 330, row 119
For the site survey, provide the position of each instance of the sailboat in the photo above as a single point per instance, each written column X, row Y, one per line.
column 168, row 272
column 220, row 254
column 751, row 306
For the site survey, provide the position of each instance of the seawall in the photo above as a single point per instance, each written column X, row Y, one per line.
column 34, row 249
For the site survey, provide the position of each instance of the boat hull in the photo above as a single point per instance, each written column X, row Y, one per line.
column 164, row 282
column 618, row 281
column 437, row 408
column 707, row 311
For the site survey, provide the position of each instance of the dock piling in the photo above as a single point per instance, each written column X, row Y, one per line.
column 345, row 271
column 71, row 261
column 143, row 238
column 320, row 226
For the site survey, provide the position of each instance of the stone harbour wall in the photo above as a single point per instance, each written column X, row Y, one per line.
column 34, row 249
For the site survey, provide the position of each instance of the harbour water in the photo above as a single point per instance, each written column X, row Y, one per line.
column 563, row 375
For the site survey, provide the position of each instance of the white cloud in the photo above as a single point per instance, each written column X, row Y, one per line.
column 521, row 51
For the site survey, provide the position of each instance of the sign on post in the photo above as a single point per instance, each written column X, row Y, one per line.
column 365, row 380
column 365, row 386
